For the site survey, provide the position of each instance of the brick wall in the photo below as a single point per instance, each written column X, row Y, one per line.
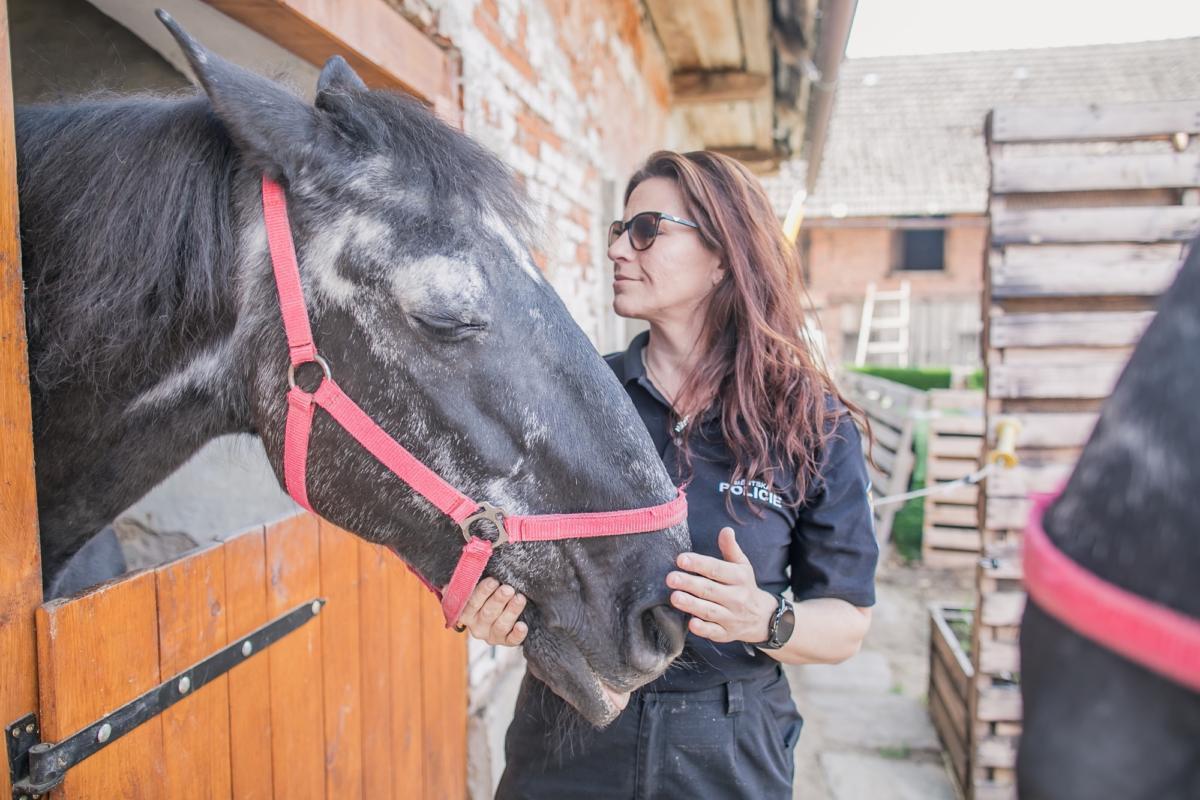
column 840, row 261
column 573, row 96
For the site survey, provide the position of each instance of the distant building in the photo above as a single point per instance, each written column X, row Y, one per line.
column 903, row 183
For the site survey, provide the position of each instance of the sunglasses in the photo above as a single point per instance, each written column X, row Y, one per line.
column 643, row 228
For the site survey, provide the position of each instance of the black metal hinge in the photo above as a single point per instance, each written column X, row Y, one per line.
column 36, row 767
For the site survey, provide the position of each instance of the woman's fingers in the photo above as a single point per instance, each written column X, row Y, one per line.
column 507, row 619
column 479, row 595
column 517, row 634
column 494, row 605
column 690, row 604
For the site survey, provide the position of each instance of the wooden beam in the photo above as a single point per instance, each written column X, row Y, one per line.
column 1091, row 173
column 1057, row 329
column 1065, row 225
column 1068, row 379
column 387, row 50
column 1124, row 121
column 718, row 87
column 20, row 558
column 1084, row 270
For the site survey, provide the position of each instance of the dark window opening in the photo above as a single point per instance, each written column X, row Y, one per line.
column 923, row 249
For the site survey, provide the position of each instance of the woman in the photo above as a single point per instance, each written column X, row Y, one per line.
column 734, row 398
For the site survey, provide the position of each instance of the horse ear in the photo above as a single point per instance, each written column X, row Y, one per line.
column 338, row 76
column 269, row 124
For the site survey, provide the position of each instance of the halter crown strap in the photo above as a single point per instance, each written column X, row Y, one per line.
column 407, row 467
column 1155, row 636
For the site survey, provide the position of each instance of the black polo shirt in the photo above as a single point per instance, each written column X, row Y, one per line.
column 823, row 547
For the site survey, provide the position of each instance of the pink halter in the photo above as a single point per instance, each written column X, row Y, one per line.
column 1155, row 636
column 451, row 502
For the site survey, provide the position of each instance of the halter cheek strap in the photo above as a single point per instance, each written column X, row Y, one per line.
column 1147, row 633
column 450, row 501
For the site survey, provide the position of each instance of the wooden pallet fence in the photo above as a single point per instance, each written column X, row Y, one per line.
column 950, row 537
column 950, row 677
column 892, row 409
column 1083, row 240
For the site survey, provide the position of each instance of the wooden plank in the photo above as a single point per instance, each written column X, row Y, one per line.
column 297, row 746
column 955, row 705
column 97, row 652
column 191, row 627
column 949, row 559
column 956, row 747
column 1083, row 270
column 959, row 495
column 1051, row 430
column 959, row 424
column 966, row 448
column 953, row 538
column 946, row 647
column 386, row 50
column 996, row 751
column 1085, row 122
column 408, row 717
column 1050, row 380
column 250, row 731
column 940, row 469
column 754, row 23
column 999, row 658
column 998, row 703
column 886, row 436
column 1050, row 329
column 960, row 400
column 1001, row 608
column 1029, row 476
column 1083, row 173
column 375, row 563
column 20, row 555
column 443, row 687
column 717, row 87
column 1066, row 225
column 341, row 662
column 1007, row 512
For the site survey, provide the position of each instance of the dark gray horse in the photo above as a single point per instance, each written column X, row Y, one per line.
column 1096, row 724
column 154, row 326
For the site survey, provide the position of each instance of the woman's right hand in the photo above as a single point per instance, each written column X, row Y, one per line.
column 491, row 614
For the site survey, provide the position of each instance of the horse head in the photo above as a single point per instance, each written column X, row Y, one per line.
column 424, row 300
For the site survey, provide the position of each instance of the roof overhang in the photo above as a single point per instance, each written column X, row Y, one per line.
column 752, row 78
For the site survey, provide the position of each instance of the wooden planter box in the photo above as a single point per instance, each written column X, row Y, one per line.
column 950, row 677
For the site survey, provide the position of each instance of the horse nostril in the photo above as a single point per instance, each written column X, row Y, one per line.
column 656, row 637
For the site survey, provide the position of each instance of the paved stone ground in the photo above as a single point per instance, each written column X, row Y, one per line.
column 867, row 732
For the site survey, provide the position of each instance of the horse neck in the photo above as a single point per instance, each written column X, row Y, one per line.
column 1128, row 512
column 129, row 217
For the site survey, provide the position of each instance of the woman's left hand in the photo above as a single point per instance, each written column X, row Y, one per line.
column 722, row 596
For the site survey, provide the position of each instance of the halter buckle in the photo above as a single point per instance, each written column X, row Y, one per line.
column 492, row 514
column 316, row 359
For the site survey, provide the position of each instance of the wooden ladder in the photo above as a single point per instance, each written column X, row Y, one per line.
column 872, row 322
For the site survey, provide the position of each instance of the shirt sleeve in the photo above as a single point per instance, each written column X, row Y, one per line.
column 834, row 551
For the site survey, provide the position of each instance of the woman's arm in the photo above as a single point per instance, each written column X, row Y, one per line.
column 727, row 605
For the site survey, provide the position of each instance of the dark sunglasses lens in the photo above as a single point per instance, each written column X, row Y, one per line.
column 614, row 232
column 642, row 230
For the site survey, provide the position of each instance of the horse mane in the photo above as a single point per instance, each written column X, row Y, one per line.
column 126, row 231
column 128, row 223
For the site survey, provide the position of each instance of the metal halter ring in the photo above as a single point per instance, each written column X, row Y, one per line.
column 492, row 514
column 322, row 363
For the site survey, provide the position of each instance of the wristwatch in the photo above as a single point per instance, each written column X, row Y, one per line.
column 781, row 627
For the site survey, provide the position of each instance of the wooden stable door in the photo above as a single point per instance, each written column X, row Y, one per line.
column 365, row 699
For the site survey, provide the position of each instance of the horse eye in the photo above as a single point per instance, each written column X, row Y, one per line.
column 446, row 327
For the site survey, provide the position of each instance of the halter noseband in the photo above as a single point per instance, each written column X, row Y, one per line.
column 1147, row 633
column 463, row 510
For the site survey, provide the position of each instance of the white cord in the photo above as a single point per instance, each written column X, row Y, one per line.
column 969, row 480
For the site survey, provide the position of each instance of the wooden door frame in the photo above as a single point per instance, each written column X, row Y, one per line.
column 20, row 553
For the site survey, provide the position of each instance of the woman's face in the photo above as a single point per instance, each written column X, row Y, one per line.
column 675, row 275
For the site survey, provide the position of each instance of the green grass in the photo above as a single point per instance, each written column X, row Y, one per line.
column 923, row 378
column 910, row 519
column 895, row 753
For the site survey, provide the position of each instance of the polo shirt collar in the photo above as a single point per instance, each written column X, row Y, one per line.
column 634, row 369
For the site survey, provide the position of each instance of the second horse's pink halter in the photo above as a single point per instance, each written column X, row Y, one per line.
column 427, row 483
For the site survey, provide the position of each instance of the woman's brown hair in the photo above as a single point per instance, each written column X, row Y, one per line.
column 758, row 364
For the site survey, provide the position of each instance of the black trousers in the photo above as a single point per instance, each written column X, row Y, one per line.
column 732, row 741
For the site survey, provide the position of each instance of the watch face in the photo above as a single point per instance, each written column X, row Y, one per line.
column 787, row 624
